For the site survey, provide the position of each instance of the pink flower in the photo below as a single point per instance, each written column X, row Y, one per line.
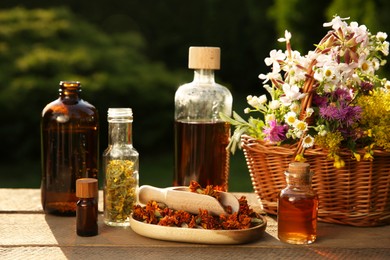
column 275, row 133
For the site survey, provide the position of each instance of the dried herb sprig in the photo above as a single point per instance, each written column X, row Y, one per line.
column 120, row 190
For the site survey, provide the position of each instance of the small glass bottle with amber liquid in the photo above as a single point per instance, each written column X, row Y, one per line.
column 69, row 148
column 298, row 206
column 201, row 136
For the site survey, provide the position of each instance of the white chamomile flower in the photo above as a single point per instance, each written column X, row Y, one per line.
column 330, row 72
column 300, row 125
column 308, row 141
column 290, row 118
column 366, row 66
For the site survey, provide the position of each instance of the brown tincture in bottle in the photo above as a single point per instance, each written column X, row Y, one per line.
column 70, row 148
column 298, row 206
column 201, row 136
column 87, row 207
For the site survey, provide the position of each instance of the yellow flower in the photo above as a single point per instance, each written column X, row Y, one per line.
column 338, row 162
column 300, row 158
column 357, row 156
column 369, row 132
column 368, row 156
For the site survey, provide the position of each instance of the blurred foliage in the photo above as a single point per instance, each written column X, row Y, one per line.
column 134, row 53
column 40, row 47
column 303, row 19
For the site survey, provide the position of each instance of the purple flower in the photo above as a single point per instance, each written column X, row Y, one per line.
column 275, row 133
column 345, row 115
column 329, row 112
column 319, row 101
column 342, row 94
column 348, row 115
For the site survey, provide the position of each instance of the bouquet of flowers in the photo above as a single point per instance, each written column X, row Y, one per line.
column 331, row 97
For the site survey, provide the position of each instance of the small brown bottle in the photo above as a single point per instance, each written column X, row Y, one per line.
column 298, row 206
column 87, row 207
column 70, row 148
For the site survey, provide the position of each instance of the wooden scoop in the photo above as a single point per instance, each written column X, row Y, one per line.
column 180, row 198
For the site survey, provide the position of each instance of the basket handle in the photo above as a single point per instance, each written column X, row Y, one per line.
column 309, row 89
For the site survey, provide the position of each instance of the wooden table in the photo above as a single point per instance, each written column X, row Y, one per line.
column 27, row 233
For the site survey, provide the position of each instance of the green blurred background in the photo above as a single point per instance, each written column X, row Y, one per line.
column 134, row 54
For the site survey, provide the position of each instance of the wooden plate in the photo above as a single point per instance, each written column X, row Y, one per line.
column 200, row 236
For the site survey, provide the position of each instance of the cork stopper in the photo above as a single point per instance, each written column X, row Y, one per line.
column 86, row 188
column 298, row 167
column 204, row 58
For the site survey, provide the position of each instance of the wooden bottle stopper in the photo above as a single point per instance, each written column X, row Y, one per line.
column 298, row 167
column 86, row 188
column 204, row 58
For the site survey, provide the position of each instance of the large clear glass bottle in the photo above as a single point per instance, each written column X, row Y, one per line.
column 298, row 206
column 69, row 148
column 120, row 164
column 201, row 136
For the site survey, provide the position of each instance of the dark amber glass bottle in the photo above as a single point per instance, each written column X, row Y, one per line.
column 87, row 207
column 298, row 206
column 69, row 148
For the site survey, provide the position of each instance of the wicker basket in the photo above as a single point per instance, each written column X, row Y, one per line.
column 357, row 194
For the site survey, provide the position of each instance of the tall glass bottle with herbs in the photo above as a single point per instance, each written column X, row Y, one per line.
column 120, row 164
column 298, row 206
column 69, row 148
column 201, row 136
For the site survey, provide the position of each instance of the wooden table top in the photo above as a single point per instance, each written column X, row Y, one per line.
column 27, row 233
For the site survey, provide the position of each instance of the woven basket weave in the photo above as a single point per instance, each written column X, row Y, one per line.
column 357, row 194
